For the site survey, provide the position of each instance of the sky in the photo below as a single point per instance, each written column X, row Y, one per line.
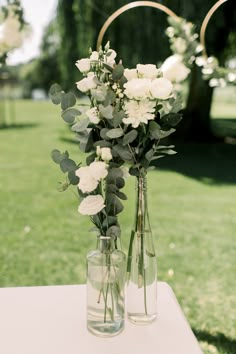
column 38, row 13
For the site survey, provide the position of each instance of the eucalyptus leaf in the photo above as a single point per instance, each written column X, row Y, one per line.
column 111, row 188
column 163, row 147
column 67, row 100
column 118, row 72
column 121, row 195
column 171, row 119
column 123, row 152
column 154, row 130
column 115, row 133
column 74, row 180
column 108, row 67
column 102, row 143
column 67, row 165
column 114, row 205
column 91, row 158
column 118, row 117
column 55, row 94
column 57, row 156
column 122, row 81
column 107, row 112
column 149, row 154
column 165, row 133
column 130, row 137
column 110, row 98
column 113, row 231
column 114, row 173
column 69, row 115
column 80, row 126
column 103, row 133
column 99, row 93
column 134, row 171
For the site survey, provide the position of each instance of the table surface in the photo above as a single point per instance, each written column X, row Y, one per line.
column 52, row 320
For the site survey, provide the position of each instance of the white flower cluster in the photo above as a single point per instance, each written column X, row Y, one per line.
column 12, row 32
column 144, row 89
column 142, row 92
column 89, row 178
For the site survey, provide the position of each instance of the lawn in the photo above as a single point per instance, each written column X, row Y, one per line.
column 192, row 209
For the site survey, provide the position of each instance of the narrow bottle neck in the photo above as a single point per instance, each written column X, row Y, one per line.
column 141, row 192
column 105, row 244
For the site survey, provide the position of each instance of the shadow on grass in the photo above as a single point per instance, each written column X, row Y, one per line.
column 224, row 127
column 210, row 163
column 18, row 126
column 219, row 340
column 69, row 140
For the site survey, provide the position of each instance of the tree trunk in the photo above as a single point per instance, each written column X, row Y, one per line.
column 196, row 123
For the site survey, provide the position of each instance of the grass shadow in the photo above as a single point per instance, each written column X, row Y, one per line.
column 219, row 340
column 18, row 126
column 223, row 127
column 211, row 163
column 69, row 140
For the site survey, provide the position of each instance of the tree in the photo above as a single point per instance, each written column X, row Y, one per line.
column 81, row 20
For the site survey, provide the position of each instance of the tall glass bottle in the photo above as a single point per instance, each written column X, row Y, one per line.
column 105, row 289
column 141, row 263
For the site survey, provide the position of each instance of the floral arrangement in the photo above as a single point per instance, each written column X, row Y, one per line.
column 187, row 50
column 130, row 111
column 13, row 28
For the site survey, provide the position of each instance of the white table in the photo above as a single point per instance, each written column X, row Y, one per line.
column 52, row 320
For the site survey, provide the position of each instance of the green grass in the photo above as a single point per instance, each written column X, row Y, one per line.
column 192, row 209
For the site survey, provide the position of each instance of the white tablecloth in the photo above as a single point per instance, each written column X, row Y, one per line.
column 52, row 320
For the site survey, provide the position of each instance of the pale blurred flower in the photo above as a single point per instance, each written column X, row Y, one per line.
column 174, row 69
column 171, row 273
column 83, row 65
column 91, row 205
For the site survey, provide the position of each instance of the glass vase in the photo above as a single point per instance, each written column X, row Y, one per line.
column 141, row 263
column 105, row 289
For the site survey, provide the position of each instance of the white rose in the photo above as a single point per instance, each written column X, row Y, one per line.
column 98, row 170
column 137, row 88
column 174, row 69
column 93, row 115
column 148, row 71
column 86, row 84
column 161, row 88
column 91, row 205
column 139, row 112
column 94, row 56
column 104, row 153
column 83, row 65
column 110, row 58
column 87, row 182
column 130, row 74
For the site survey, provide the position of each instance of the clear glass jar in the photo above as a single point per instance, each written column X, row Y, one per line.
column 105, row 289
column 141, row 263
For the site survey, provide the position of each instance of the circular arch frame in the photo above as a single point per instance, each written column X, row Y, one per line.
column 130, row 6
column 205, row 23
